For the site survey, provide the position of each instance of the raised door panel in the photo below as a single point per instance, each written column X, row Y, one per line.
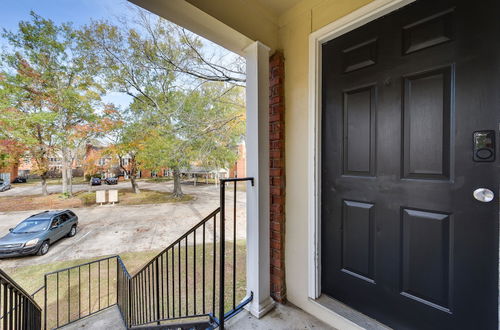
column 427, row 120
column 428, row 32
column 358, row 240
column 359, row 132
column 426, row 250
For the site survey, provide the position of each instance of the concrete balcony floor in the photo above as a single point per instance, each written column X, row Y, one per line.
column 282, row 317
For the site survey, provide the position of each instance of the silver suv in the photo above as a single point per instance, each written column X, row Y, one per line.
column 35, row 234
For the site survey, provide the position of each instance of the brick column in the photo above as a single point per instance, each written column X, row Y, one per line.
column 277, row 174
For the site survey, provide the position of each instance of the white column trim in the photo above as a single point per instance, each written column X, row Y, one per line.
column 357, row 18
column 258, row 204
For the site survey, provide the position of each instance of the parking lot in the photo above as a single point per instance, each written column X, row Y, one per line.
column 108, row 229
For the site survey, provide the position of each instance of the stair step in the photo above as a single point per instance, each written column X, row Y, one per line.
column 199, row 325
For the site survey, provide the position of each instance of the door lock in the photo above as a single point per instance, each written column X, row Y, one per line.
column 483, row 195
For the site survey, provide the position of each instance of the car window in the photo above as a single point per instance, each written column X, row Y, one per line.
column 71, row 214
column 31, row 226
column 55, row 222
column 64, row 217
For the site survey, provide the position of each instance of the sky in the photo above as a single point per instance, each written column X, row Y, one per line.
column 80, row 12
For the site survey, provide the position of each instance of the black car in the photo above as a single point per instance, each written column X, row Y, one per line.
column 111, row 181
column 35, row 234
column 95, row 181
column 20, row 179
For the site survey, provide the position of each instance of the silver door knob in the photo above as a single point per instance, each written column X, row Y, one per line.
column 483, row 195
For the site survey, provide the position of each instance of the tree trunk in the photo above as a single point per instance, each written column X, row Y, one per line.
column 177, row 184
column 64, row 170
column 45, row 192
column 135, row 186
column 70, row 181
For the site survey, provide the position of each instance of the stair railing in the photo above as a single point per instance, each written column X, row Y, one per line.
column 185, row 283
column 80, row 291
column 18, row 310
column 123, row 292
column 181, row 281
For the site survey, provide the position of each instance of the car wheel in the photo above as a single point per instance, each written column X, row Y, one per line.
column 72, row 232
column 44, row 248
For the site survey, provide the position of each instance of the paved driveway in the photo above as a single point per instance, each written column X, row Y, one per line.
column 105, row 230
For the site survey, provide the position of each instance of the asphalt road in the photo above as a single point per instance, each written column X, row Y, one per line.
column 105, row 230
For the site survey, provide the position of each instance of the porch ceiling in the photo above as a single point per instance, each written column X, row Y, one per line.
column 233, row 24
column 278, row 7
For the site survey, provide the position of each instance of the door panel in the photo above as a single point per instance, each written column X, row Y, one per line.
column 432, row 286
column 403, row 239
column 427, row 121
column 357, row 240
column 359, row 128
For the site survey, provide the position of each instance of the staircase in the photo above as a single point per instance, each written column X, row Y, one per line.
column 18, row 310
column 192, row 284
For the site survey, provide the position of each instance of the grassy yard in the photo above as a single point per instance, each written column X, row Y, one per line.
column 82, row 199
column 73, row 286
column 157, row 179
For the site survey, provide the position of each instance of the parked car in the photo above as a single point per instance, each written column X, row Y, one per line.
column 95, row 182
column 20, row 179
column 35, row 234
column 111, row 181
column 4, row 185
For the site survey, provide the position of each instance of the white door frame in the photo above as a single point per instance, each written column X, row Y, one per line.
column 357, row 18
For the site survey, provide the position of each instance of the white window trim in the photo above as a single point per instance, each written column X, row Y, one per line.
column 357, row 18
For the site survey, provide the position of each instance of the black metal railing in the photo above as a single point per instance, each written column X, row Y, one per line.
column 226, row 312
column 18, row 310
column 187, row 280
column 123, row 292
column 181, row 281
column 80, row 291
column 185, row 283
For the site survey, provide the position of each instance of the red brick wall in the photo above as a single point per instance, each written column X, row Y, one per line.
column 277, row 174
column 239, row 169
column 12, row 170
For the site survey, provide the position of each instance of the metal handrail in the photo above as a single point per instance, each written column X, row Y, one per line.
column 144, row 298
column 81, row 265
column 19, row 310
column 71, row 287
column 190, row 231
column 13, row 283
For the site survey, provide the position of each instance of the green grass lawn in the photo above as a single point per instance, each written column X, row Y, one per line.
column 127, row 197
column 157, row 179
column 84, row 199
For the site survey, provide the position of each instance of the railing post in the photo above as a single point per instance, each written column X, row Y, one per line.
column 130, row 295
column 157, row 275
column 45, row 302
column 117, row 282
column 222, row 252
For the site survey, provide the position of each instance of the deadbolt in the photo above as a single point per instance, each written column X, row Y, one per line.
column 483, row 195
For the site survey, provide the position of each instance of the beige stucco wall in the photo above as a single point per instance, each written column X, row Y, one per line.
column 295, row 26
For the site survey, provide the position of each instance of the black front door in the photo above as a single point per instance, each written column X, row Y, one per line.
column 403, row 238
